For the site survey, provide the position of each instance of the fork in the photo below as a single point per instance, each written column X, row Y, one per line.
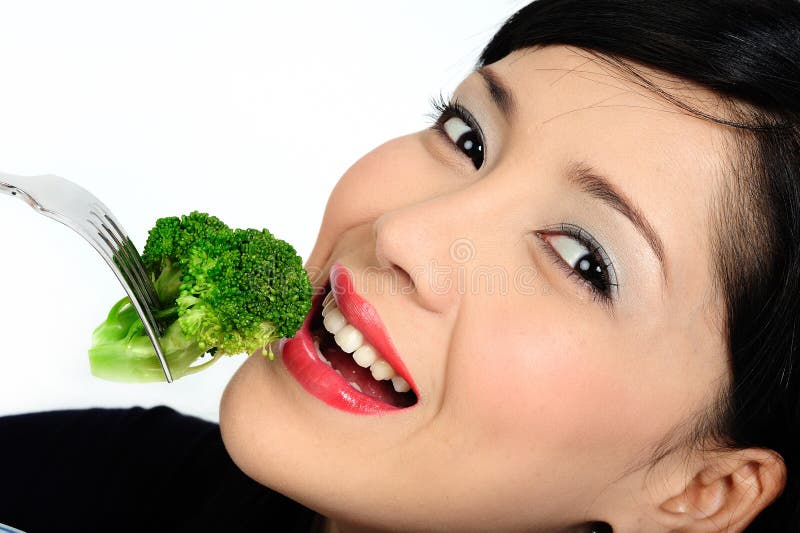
column 77, row 208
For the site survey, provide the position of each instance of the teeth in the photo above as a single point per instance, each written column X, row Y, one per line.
column 334, row 321
column 365, row 356
column 349, row 338
column 326, row 308
column 400, row 385
column 319, row 354
column 381, row 370
column 328, row 298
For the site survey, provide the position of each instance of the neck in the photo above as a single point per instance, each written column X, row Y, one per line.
column 323, row 524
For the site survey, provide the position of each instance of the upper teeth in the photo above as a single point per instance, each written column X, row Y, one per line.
column 351, row 340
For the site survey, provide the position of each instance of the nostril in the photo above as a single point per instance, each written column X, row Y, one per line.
column 401, row 279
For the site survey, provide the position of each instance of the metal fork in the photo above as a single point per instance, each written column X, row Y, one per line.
column 80, row 210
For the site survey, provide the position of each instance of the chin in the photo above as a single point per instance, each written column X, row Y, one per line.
column 233, row 417
column 263, row 430
column 245, row 412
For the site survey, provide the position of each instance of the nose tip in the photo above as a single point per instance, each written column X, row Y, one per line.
column 414, row 253
column 385, row 255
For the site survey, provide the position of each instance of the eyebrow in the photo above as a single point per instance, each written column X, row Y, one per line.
column 500, row 94
column 584, row 175
column 597, row 186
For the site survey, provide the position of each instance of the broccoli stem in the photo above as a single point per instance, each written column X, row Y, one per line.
column 168, row 283
column 122, row 351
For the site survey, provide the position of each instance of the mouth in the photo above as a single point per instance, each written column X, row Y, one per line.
column 343, row 355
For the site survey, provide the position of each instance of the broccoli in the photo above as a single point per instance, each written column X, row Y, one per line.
column 223, row 291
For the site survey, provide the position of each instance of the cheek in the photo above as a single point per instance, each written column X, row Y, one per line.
column 552, row 387
column 387, row 177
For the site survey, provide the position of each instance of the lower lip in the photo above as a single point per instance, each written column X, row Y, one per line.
column 300, row 357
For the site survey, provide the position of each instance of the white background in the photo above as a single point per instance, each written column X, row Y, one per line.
column 247, row 110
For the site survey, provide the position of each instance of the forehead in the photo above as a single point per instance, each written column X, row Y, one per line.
column 570, row 105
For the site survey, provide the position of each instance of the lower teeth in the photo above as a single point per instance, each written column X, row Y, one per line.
column 319, row 353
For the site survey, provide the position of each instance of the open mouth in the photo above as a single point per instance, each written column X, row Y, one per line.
column 341, row 346
column 343, row 354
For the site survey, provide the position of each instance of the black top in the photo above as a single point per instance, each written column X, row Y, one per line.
column 135, row 469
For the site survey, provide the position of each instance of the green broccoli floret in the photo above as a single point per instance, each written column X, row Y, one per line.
column 223, row 291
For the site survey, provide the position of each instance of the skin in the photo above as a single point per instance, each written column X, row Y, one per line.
column 537, row 405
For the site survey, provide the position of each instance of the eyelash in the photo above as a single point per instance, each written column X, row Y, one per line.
column 443, row 110
column 602, row 294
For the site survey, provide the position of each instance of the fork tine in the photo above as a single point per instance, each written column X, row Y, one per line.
column 125, row 250
column 122, row 251
column 138, row 267
column 122, row 262
column 136, row 261
column 114, row 246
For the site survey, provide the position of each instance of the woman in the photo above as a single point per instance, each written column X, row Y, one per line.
column 581, row 283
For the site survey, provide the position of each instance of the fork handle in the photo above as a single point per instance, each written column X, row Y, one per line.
column 10, row 185
column 7, row 187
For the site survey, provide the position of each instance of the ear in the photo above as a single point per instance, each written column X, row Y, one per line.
column 730, row 491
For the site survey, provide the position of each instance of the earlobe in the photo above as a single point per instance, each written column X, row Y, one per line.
column 732, row 490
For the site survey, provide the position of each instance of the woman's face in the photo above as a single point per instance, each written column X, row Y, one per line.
column 556, row 322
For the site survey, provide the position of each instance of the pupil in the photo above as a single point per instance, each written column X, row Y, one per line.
column 470, row 144
column 592, row 271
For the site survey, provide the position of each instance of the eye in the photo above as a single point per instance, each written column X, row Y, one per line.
column 580, row 254
column 460, row 129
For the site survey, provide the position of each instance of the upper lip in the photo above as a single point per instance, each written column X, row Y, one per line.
column 363, row 315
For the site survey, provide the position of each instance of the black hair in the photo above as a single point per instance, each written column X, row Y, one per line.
column 748, row 53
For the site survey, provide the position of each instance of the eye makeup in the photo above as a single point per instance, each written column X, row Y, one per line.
column 459, row 128
column 582, row 258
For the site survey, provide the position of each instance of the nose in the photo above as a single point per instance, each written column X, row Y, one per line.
column 427, row 247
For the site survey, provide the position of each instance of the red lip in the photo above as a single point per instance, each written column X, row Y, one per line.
column 300, row 356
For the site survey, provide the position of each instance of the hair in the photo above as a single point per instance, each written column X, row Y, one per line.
column 748, row 53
